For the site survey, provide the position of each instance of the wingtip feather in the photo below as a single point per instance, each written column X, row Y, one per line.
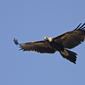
column 80, row 27
column 16, row 41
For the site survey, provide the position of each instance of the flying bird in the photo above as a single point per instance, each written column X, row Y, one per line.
column 60, row 43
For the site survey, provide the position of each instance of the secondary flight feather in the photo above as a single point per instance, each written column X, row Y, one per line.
column 60, row 43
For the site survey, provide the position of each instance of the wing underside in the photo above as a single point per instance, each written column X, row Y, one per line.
column 73, row 38
column 40, row 46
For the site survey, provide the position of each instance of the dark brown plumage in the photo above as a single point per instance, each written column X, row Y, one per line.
column 61, row 43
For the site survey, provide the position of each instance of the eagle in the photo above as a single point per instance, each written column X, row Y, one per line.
column 61, row 43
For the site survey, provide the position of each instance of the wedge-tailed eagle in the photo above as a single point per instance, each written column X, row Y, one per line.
column 60, row 43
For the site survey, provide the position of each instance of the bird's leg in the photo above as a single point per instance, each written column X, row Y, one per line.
column 64, row 52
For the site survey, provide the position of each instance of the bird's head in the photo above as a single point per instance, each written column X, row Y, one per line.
column 48, row 39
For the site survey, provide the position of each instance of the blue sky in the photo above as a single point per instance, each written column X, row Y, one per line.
column 31, row 20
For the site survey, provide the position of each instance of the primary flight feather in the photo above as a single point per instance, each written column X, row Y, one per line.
column 60, row 43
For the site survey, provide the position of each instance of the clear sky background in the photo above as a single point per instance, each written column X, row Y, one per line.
column 31, row 20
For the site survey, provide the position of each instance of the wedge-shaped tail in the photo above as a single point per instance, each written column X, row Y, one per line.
column 69, row 55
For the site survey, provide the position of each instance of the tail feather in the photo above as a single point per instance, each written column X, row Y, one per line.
column 69, row 55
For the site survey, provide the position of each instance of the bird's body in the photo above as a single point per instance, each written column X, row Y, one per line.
column 61, row 43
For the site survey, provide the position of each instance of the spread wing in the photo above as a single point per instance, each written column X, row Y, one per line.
column 39, row 46
column 73, row 38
